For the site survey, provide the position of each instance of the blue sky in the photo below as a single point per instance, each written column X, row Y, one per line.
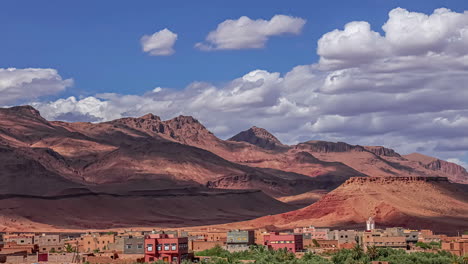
column 404, row 86
column 97, row 42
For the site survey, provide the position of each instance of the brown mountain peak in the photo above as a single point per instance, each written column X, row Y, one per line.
column 259, row 137
column 26, row 110
column 150, row 116
column 185, row 119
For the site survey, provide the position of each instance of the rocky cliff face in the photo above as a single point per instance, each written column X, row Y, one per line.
column 450, row 168
column 327, row 147
column 258, row 137
column 392, row 180
column 456, row 172
column 382, row 151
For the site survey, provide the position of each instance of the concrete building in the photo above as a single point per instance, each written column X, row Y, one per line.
column 378, row 238
column 134, row 245
column 166, row 248
column 412, row 236
column 19, row 239
column 290, row 242
column 128, row 242
column 49, row 243
column 239, row 240
column 347, row 236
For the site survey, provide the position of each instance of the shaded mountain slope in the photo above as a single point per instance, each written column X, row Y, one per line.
column 176, row 208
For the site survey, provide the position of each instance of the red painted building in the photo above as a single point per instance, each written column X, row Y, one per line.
column 291, row 242
column 166, row 248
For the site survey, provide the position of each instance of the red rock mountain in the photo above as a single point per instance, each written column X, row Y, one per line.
column 148, row 159
column 412, row 202
column 258, row 137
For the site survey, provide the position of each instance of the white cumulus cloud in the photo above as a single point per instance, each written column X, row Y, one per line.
column 18, row 85
column 245, row 33
column 160, row 43
column 366, row 89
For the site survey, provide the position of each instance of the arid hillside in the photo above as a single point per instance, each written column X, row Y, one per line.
column 413, row 202
column 138, row 159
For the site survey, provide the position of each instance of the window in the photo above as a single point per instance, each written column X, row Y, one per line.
column 128, row 246
column 149, row 247
column 173, row 246
column 166, row 246
column 159, row 247
column 140, row 246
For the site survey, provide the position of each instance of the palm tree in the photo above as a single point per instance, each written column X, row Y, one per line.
column 358, row 252
column 372, row 252
column 69, row 248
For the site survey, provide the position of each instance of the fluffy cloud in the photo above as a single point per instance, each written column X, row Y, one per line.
column 160, row 43
column 18, row 85
column 245, row 33
column 408, row 36
column 366, row 89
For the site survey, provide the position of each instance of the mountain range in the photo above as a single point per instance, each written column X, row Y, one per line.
column 146, row 171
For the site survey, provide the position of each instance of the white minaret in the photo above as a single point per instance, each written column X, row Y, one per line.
column 370, row 224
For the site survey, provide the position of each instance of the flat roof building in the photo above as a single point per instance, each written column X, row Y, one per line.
column 290, row 242
column 167, row 248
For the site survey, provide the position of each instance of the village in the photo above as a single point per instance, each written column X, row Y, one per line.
column 176, row 246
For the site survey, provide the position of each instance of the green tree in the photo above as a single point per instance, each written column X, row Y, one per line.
column 315, row 242
column 372, row 252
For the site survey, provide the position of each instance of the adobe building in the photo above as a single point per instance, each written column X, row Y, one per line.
column 290, row 242
column 95, row 242
column 457, row 246
column 320, row 243
column 200, row 245
column 314, row 233
column 19, row 243
column 427, row 236
column 239, row 240
column 19, row 239
column 167, row 248
column 205, row 235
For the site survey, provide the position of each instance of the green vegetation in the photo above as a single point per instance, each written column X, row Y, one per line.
column 315, row 242
column 261, row 255
column 432, row 245
column 69, row 248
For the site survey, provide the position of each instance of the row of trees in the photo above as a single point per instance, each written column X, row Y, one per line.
column 356, row 255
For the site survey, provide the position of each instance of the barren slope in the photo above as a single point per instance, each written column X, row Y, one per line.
column 396, row 201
